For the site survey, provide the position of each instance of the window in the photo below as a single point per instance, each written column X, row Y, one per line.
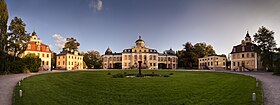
column 155, row 58
column 248, row 55
column 211, row 63
column 125, row 57
column 253, row 55
column 224, row 63
column 28, row 46
column 140, row 51
column 151, row 57
column 151, row 64
column 43, row 63
column 47, row 48
column 234, row 49
column 243, row 48
column 217, row 63
column 72, row 63
column 140, row 57
column 242, row 55
column 233, row 63
column 252, row 47
column 47, row 55
column 238, row 63
column 155, row 64
column 145, row 57
column 58, row 63
column 135, row 57
column 63, row 63
column 43, row 55
column 38, row 54
column 38, row 47
column 47, row 63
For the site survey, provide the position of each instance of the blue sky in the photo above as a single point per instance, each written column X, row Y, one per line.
column 163, row 24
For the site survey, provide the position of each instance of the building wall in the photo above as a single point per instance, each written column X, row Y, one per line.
column 212, row 62
column 69, row 62
column 245, row 59
column 46, row 58
column 130, row 60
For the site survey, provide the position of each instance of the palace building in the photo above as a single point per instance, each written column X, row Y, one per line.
column 244, row 57
column 128, row 59
column 69, row 60
column 43, row 51
column 212, row 62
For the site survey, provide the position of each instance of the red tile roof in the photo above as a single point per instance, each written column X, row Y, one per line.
column 33, row 47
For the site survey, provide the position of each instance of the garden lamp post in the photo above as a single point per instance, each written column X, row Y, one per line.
column 140, row 62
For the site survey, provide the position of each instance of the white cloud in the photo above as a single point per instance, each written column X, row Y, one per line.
column 96, row 5
column 59, row 41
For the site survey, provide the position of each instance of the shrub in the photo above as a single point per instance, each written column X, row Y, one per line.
column 17, row 67
column 153, row 72
column 32, row 62
column 108, row 73
column 125, row 73
column 119, row 75
column 165, row 75
column 171, row 74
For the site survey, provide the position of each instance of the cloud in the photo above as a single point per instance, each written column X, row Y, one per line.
column 59, row 41
column 96, row 5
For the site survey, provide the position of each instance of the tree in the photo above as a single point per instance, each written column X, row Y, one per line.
column 188, row 57
column 266, row 44
column 71, row 44
column 32, row 62
column 17, row 36
column 3, row 35
column 202, row 49
column 93, row 59
column 3, row 25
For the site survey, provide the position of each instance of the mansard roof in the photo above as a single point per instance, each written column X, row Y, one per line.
column 248, row 47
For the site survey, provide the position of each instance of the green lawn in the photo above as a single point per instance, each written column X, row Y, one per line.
column 98, row 88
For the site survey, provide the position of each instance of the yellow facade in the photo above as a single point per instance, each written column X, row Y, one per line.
column 35, row 46
column 129, row 58
column 69, row 61
column 244, row 57
column 213, row 62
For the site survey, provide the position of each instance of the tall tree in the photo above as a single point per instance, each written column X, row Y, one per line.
column 71, row 44
column 202, row 49
column 17, row 36
column 3, row 25
column 188, row 57
column 266, row 44
column 93, row 59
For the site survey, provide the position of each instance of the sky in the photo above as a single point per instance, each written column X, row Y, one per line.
column 163, row 24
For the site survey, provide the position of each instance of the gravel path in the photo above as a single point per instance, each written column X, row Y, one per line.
column 271, row 86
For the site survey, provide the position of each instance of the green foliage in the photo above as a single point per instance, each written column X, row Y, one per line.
column 165, row 75
column 93, row 59
column 17, row 67
column 119, row 75
column 71, row 44
column 3, row 26
column 17, row 36
column 266, row 44
column 108, row 73
column 32, row 62
column 190, row 88
column 171, row 74
column 188, row 57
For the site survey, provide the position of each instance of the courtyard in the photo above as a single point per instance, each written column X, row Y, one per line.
column 97, row 87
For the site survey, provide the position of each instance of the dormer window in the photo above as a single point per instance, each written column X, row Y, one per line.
column 28, row 46
column 38, row 47
column 234, row 49
column 47, row 48
column 243, row 48
column 252, row 47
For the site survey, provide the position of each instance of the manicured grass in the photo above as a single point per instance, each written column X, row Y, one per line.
column 97, row 87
